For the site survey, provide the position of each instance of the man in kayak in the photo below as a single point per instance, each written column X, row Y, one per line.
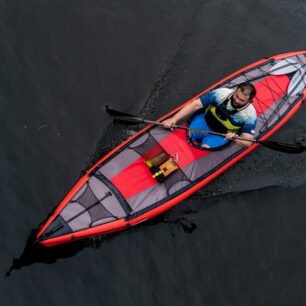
column 227, row 111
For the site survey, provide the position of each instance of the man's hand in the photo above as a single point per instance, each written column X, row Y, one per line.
column 230, row 136
column 240, row 142
column 169, row 122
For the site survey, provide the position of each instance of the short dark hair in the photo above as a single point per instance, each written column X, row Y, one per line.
column 248, row 86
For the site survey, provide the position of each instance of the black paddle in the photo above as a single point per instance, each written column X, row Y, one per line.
column 274, row 145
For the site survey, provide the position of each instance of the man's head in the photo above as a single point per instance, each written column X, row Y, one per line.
column 243, row 95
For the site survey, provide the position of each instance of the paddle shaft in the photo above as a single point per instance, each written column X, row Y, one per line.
column 197, row 130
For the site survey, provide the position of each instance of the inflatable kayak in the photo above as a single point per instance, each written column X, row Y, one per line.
column 156, row 168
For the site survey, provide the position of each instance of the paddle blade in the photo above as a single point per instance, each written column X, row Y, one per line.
column 121, row 117
column 283, row 147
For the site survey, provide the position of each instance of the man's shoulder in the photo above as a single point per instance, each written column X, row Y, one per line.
column 252, row 111
column 222, row 93
column 248, row 115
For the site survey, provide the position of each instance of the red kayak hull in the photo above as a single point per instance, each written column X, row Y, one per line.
column 130, row 190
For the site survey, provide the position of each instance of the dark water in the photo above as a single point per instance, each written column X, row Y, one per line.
column 239, row 241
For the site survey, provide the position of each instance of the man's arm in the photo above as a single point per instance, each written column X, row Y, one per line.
column 191, row 108
column 242, row 143
column 248, row 130
column 186, row 111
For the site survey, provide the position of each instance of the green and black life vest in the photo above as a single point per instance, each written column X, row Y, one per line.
column 219, row 118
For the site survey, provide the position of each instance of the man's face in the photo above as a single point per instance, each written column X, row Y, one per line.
column 240, row 98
